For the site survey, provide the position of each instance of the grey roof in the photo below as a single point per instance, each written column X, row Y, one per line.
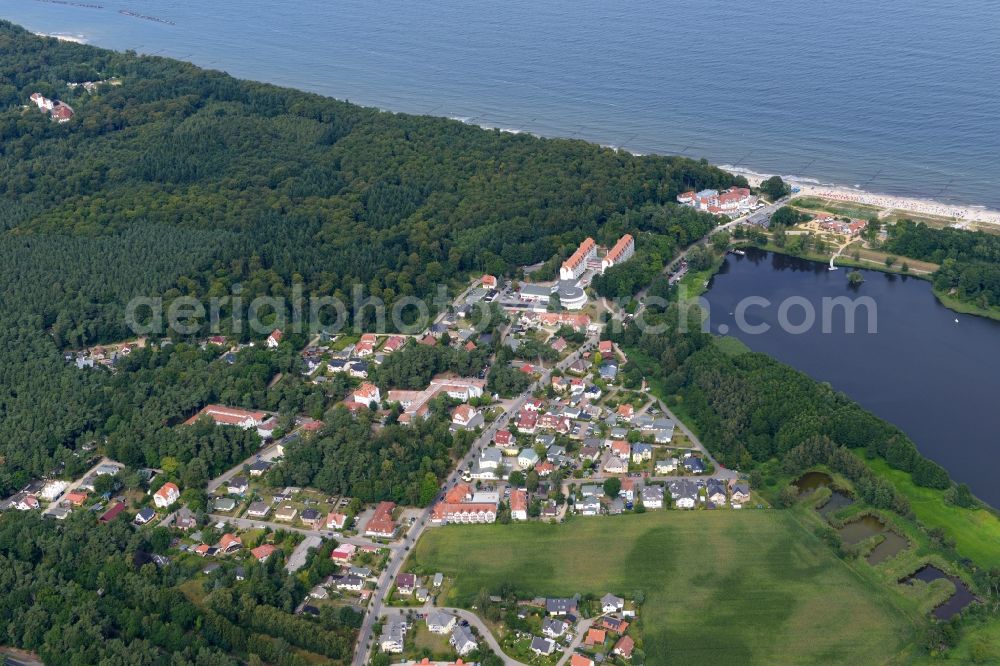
column 536, row 290
column 543, row 645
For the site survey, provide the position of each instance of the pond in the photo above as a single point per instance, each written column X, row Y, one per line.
column 891, row 547
column 837, row 501
column 858, row 530
column 956, row 603
column 810, row 481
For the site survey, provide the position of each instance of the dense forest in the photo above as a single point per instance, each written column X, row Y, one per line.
column 80, row 595
column 187, row 182
column 970, row 260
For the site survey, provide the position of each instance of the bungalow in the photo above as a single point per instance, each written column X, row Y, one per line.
column 542, row 646
column 259, row 468
column 258, row 509
column 740, row 492
column 527, row 459
column 553, row 628
column 642, row 452
column 406, row 583
column 319, row 592
column 652, row 497
column 336, row 521
column 439, row 622
column 612, row 604
column 624, row 646
column 223, row 504
column 238, row 485
column 166, row 495
column 229, row 543
column 262, row 552
column 394, row 343
column 351, row 583
column 462, row 640
column 666, row 465
column 75, row 498
column 144, row 516
column 614, row 624
column 286, row 513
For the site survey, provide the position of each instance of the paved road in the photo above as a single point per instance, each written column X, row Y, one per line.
column 268, row 453
column 375, row 607
column 249, row 523
column 582, row 627
column 298, row 557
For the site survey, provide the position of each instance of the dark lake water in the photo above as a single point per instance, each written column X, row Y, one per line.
column 896, row 97
column 936, row 379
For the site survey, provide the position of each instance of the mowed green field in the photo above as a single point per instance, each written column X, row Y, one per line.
column 976, row 532
column 750, row 587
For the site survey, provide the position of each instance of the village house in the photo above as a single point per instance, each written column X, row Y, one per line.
column 440, row 622
column 466, row 417
column 716, row 491
column 595, row 637
column 612, row 464
column 462, row 640
column 144, row 516
column 258, row 509
column 166, row 495
column 262, row 552
column 238, row 485
column 641, row 452
column 223, row 504
column 578, row 659
column 406, row 583
column 611, row 604
column 229, row 543
column 684, row 493
column 652, row 497
column 351, row 583
column 527, row 458
column 740, row 491
column 366, row 394
column 666, row 465
column 274, row 339
column 381, row 523
column 553, row 628
column 286, row 513
column 624, row 646
column 310, row 517
column 519, row 504
column 393, row 636
column 336, row 521
column 542, row 646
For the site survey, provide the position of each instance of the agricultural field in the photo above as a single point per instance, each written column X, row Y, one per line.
column 750, row 587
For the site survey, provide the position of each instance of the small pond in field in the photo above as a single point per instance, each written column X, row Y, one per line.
column 956, row 603
column 891, row 547
column 810, row 481
column 837, row 501
column 858, row 530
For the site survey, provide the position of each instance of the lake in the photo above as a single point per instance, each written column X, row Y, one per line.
column 894, row 97
column 936, row 379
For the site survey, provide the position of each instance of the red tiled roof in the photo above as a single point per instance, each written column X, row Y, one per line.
column 580, row 255
column 263, row 552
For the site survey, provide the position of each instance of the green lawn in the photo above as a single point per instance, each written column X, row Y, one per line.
column 750, row 587
column 976, row 533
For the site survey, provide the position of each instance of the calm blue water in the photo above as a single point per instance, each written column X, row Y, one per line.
column 897, row 97
column 936, row 379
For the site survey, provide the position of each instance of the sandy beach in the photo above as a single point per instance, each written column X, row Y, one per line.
column 76, row 39
column 886, row 201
